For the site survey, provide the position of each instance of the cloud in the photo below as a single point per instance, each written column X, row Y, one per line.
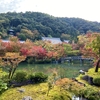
column 9, row 5
column 86, row 9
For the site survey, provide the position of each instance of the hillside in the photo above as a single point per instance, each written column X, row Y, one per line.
column 44, row 25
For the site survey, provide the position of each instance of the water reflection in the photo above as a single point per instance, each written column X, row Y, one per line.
column 63, row 70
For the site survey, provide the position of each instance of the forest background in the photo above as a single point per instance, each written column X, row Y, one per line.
column 34, row 25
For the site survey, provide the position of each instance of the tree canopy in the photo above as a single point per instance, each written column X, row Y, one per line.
column 90, row 46
column 34, row 25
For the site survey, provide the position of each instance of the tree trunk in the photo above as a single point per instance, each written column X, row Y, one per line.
column 97, row 66
column 10, row 72
column 14, row 69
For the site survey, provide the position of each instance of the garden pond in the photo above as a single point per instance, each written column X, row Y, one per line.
column 69, row 70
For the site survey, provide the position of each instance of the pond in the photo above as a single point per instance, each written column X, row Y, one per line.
column 69, row 70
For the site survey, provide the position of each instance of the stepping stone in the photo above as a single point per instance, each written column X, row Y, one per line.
column 27, row 98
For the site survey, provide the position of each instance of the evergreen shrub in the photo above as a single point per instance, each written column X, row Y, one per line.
column 96, row 81
column 38, row 77
column 20, row 76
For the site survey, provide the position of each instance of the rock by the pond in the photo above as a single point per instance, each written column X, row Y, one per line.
column 89, row 79
column 78, row 98
column 27, row 98
column 85, row 77
column 82, row 72
column 75, row 98
column 21, row 90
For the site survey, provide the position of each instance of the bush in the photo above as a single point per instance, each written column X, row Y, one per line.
column 2, row 73
column 3, row 86
column 38, row 78
column 91, row 93
column 30, row 60
column 96, row 81
column 61, row 96
column 5, row 79
column 20, row 76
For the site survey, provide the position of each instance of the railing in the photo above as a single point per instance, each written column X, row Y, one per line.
column 73, row 58
column 77, row 58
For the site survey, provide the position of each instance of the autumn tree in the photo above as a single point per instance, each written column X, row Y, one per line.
column 10, row 61
column 53, row 51
column 37, row 52
column 96, row 49
column 90, row 47
column 10, row 55
column 69, row 49
column 13, row 45
column 32, row 35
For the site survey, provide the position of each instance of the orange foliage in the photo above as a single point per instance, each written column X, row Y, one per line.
column 70, row 85
column 11, row 60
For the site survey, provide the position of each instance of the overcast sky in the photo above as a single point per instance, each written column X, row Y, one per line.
column 86, row 9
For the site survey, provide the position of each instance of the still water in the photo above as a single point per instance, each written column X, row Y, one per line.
column 69, row 70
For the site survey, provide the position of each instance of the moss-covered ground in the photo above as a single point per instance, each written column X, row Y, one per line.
column 91, row 72
column 63, row 89
column 37, row 92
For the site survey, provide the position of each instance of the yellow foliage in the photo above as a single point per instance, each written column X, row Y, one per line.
column 37, row 92
column 10, row 54
column 70, row 85
column 89, row 73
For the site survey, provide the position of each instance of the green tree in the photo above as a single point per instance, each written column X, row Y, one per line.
column 65, row 37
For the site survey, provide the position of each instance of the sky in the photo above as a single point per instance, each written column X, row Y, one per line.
column 85, row 9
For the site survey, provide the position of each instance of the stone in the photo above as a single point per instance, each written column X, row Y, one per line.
column 85, row 77
column 27, row 98
column 90, row 80
column 21, row 90
column 82, row 72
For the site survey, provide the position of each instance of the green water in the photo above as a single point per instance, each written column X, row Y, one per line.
column 62, row 70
